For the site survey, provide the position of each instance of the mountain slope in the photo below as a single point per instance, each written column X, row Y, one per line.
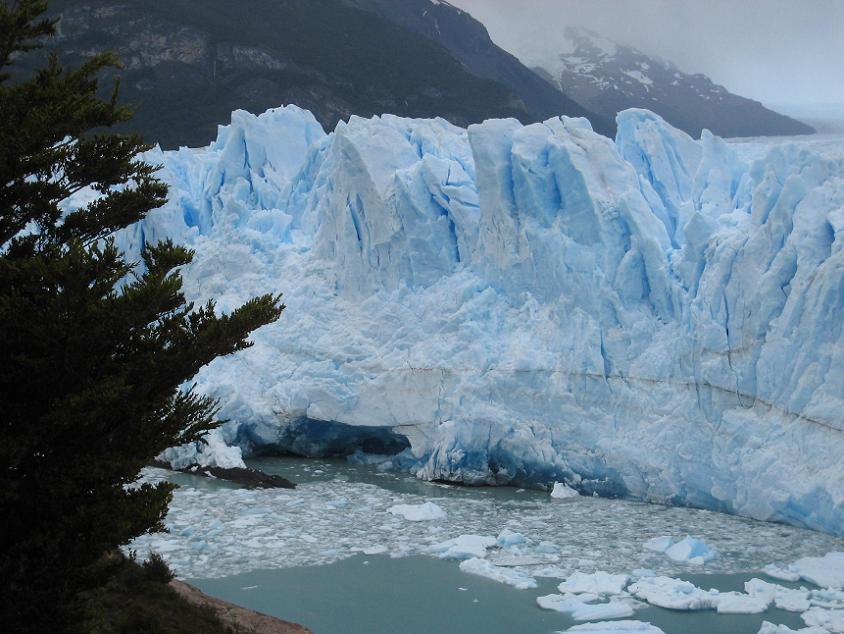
column 189, row 63
column 469, row 42
column 608, row 77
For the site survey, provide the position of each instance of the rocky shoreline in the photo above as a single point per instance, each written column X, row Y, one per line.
column 239, row 475
column 238, row 618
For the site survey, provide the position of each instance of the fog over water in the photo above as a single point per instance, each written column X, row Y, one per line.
column 776, row 51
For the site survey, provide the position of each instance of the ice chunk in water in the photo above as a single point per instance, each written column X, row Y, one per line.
column 770, row 628
column 831, row 620
column 511, row 577
column 418, row 512
column 674, row 594
column 562, row 491
column 740, row 603
column 791, row 600
column 658, row 544
column 691, row 550
column 616, row 627
column 581, row 608
column 596, row 583
column 826, row 571
column 463, row 547
column 509, row 538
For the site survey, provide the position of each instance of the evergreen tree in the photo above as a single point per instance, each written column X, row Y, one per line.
column 92, row 354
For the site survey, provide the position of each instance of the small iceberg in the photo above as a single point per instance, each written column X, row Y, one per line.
column 418, row 512
column 562, row 491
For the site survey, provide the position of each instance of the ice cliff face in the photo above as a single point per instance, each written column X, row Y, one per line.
column 652, row 317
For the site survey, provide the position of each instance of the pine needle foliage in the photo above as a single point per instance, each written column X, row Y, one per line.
column 92, row 354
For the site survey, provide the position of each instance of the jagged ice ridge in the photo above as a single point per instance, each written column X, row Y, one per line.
column 654, row 317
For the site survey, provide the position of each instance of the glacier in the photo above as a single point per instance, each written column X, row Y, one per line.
column 653, row 317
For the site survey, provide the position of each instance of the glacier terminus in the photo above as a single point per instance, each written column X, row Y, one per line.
column 652, row 317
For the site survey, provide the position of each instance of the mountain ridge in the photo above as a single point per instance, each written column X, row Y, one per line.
column 608, row 77
column 189, row 63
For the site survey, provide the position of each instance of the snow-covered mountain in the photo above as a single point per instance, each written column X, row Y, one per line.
column 608, row 77
column 655, row 317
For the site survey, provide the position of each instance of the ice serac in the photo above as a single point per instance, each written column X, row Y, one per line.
column 654, row 317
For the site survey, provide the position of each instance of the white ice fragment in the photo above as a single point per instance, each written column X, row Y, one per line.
column 212, row 451
column 658, row 544
column 509, row 538
column 691, row 550
column 511, row 577
column 740, row 603
column 596, row 583
column 783, row 574
column 463, row 547
column 581, row 607
column 826, row 571
column 615, row 627
column 831, row 620
column 771, row 628
column 418, row 512
column 674, row 594
column 562, row 491
column 827, row 599
column 789, row 599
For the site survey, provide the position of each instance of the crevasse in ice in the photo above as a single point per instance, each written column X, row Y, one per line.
column 654, row 317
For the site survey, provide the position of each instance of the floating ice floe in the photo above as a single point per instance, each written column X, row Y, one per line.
column 783, row 574
column 218, row 530
column 510, row 538
column 789, row 599
column 562, row 491
column 417, row 512
column 596, row 583
column 690, row 550
column 830, row 620
column 674, row 594
column 771, row 628
column 511, row 577
column 586, row 607
column 616, row 627
column 463, row 547
column 740, row 603
column 659, row 544
column 833, row 599
column 826, row 571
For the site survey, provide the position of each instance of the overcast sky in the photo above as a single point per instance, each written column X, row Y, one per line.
column 776, row 51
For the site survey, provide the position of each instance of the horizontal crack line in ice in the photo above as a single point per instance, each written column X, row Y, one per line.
column 624, row 378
